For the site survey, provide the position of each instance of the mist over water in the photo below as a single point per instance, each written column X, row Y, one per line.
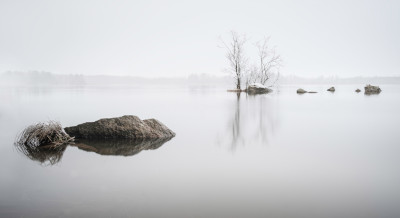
column 282, row 155
column 274, row 155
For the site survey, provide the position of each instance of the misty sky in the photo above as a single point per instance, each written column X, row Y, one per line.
column 179, row 38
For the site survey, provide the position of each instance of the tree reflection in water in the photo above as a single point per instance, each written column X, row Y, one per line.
column 252, row 122
column 236, row 124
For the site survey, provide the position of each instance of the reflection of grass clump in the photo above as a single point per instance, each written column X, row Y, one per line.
column 47, row 155
column 43, row 142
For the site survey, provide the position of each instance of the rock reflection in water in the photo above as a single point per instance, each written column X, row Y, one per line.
column 119, row 147
column 50, row 155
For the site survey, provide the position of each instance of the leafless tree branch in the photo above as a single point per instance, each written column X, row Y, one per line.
column 236, row 57
column 269, row 62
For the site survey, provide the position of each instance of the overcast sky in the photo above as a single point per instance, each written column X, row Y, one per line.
column 178, row 38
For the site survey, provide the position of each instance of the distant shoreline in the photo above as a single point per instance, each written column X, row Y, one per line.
column 38, row 78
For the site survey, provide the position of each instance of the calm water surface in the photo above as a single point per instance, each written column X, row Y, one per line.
column 275, row 155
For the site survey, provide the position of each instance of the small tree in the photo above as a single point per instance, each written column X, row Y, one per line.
column 236, row 57
column 267, row 66
column 269, row 62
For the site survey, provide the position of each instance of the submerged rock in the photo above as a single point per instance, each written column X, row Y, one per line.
column 301, row 91
column 257, row 88
column 125, row 127
column 331, row 89
column 372, row 89
column 235, row 90
column 358, row 90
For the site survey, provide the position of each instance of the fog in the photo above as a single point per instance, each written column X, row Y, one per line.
column 273, row 155
column 43, row 79
column 179, row 38
column 296, row 133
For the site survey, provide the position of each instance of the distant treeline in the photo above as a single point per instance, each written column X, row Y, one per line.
column 41, row 78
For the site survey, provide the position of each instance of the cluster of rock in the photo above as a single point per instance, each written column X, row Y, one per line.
column 257, row 88
column 369, row 89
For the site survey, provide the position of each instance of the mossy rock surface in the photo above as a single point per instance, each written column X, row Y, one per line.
column 125, row 127
column 301, row 91
column 369, row 89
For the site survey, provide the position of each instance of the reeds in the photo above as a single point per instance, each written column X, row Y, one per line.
column 44, row 142
column 44, row 134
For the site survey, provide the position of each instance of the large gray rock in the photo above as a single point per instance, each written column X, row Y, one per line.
column 125, row 127
column 257, row 88
column 372, row 89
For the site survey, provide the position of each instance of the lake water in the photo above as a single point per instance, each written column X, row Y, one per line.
column 275, row 155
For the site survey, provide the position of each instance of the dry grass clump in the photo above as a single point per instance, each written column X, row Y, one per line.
column 44, row 134
column 44, row 142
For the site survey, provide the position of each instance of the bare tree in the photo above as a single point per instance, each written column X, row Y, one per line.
column 265, row 70
column 236, row 57
column 269, row 62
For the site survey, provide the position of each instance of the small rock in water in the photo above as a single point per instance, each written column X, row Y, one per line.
column 372, row 90
column 301, row 91
column 331, row 89
column 257, row 88
column 235, row 90
column 312, row 92
column 358, row 90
